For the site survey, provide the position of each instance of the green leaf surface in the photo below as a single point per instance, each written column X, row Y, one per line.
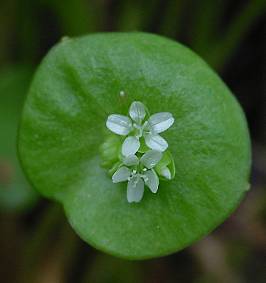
column 15, row 192
column 74, row 90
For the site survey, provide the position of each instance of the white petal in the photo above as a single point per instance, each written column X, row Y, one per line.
column 165, row 172
column 119, row 124
column 137, row 111
column 130, row 146
column 121, row 175
column 151, row 180
column 131, row 160
column 151, row 158
column 156, row 142
column 160, row 122
column 135, row 189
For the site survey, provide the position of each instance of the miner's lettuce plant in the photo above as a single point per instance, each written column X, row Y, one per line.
column 87, row 139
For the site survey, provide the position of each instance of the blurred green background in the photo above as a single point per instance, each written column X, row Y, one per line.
column 36, row 242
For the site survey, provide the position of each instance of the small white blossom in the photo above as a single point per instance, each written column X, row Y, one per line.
column 134, row 127
column 166, row 173
column 140, row 173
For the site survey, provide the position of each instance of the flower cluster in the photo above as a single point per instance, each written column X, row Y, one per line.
column 142, row 149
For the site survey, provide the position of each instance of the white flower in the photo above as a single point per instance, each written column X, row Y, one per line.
column 165, row 172
column 140, row 173
column 135, row 127
column 137, row 168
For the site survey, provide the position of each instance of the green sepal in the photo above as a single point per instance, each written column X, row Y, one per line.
column 114, row 168
column 110, row 150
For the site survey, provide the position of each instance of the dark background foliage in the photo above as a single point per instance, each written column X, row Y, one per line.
column 36, row 242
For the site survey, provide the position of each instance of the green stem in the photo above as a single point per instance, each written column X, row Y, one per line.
column 136, row 15
column 130, row 16
column 204, row 26
column 68, row 248
column 86, row 17
column 225, row 47
column 172, row 18
column 38, row 241
column 149, row 9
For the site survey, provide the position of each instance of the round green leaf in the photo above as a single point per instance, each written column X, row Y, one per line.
column 15, row 192
column 78, row 85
